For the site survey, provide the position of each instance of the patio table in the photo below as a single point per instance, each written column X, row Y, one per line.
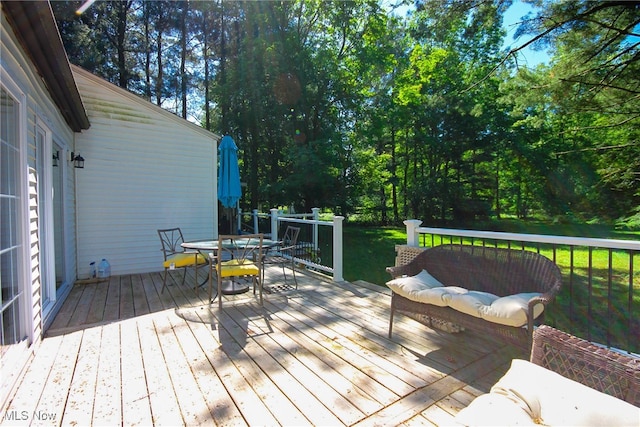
column 205, row 247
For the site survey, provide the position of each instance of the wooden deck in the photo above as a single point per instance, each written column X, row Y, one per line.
column 122, row 353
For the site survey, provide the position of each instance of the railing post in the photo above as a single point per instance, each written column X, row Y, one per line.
column 274, row 224
column 337, row 248
column 255, row 221
column 316, row 217
column 412, row 234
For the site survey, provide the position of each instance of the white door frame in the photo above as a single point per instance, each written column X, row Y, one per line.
column 45, row 216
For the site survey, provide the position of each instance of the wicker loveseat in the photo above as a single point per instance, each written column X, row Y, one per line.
column 490, row 290
column 568, row 381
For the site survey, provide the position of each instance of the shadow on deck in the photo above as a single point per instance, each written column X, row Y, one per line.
column 122, row 352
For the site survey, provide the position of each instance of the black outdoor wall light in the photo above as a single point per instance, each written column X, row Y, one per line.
column 78, row 160
column 56, row 157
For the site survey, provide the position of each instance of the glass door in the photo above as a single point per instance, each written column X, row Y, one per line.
column 50, row 207
column 13, row 324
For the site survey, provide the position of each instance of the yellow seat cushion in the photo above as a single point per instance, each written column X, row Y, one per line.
column 183, row 259
column 235, row 268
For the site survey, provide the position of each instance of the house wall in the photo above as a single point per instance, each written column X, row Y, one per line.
column 145, row 169
column 18, row 71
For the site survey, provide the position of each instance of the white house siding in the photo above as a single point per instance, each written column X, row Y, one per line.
column 145, row 169
column 39, row 105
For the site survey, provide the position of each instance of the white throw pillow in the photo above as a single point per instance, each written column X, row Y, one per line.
column 425, row 277
column 409, row 284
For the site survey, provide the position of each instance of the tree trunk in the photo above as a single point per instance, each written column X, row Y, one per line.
column 123, row 72
column 147, row 50
column 183, row 57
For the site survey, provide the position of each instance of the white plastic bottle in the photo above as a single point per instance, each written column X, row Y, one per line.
column 104, row 269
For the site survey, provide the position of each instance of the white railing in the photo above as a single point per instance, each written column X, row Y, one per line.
column 312, row 220
column 414, row 231
column 599, row 298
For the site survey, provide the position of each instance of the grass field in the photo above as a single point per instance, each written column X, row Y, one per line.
column 368, row 250
column 587, row 308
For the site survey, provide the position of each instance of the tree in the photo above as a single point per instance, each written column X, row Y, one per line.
column 594, row 89
column 456, row 125
column 339, row 105
column 98, row 40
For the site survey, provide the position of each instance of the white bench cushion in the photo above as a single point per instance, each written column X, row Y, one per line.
column 510, row 310
column 424, row 288
column 540, row 396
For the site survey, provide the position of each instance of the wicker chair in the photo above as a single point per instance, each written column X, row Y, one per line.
column 568, row 381
column 499, row 271
column 605, row 370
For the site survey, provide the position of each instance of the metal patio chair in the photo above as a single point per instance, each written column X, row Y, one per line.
column 237, row 258
column 175, row 256
column 284, row 253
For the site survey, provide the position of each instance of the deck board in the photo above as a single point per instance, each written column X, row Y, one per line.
column 163, row 403
column 112, row 303
column 300, row 356
column 83, row 308
column 188, row 394
column 107, row 408
column 97, row 305
column 140, row 303
column 380, row 385
column 235, row 397
column 123, row 352
column 30, row 399
column 53, row 397
column 81, row 394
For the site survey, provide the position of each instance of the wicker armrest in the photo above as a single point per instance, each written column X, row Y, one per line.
column 597, row 367
column 402, row 270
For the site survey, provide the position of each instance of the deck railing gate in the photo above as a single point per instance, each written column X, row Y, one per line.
column 312, row 219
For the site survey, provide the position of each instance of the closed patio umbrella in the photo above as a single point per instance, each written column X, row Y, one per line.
column 229, row 190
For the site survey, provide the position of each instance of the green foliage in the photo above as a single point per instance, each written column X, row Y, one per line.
column 414, row 81
column 340, row 105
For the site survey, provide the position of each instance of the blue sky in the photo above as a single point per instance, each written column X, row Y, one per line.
column 512, row 17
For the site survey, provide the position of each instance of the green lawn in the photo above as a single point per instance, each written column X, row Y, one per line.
column 368, row 250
